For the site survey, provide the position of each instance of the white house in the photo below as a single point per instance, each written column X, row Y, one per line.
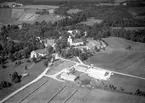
column 73, row 33
column 51, row 11
column 38, row 53
column 75, row 42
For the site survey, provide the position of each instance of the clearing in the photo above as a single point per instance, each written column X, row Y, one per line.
column 92, row 21
column 73, row 11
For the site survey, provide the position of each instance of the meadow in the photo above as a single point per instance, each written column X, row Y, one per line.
column 120, row 59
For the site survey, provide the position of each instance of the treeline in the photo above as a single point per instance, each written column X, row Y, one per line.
column 112, row 15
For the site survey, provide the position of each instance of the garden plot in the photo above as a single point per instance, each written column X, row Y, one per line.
column 46, row 92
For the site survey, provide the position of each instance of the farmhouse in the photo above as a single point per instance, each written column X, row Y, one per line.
column 38, row 53
column 46, row 41
column 51, row 11
column 73, row 33
column 76, row 42
column 98, row 74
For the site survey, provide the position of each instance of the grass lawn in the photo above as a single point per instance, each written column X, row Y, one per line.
column 34, row 71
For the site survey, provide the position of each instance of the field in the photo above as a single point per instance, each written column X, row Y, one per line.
column 73, row 11
column 120, row 59
column 129, row 28
column 27, row 14
column 91, row 21
column 34, row 71
column 57, row 92
column 136, row 10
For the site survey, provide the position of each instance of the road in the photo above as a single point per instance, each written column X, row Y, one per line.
column 81, row 63
column 54, row 77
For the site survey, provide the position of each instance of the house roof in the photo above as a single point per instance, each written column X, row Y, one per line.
column 77, row 40
column 41, row 51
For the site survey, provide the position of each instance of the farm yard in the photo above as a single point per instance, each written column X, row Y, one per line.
column 58, row 66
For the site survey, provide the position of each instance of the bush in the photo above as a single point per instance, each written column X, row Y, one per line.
column 46, row 63
column 128, row 47
column 5, row 84
column 86, row 82
column 16, row 78
column 34, row 60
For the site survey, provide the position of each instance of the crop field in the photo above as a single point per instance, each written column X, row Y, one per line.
column 128, row 83
column 127, row 62
column 5, row 15
column 49, row 18
column 106, row 58
column 55, row 92
column 85, row 95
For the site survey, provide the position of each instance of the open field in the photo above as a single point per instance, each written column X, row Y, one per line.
column 71, row 11
column 129, row 28
column 34, row 71
column 26, row 14
column 56, row 92
column 136, row 10
column 120, row 59
column 91, row 21
column 85, row 95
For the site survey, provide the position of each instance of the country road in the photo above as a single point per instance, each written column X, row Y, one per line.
column 53, row 77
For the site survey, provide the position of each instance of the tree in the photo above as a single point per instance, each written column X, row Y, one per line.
column 49, row 49
column 34, row 59
column 46, row 63
column 16, row 78
column 96, row 49
column 26, row 68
